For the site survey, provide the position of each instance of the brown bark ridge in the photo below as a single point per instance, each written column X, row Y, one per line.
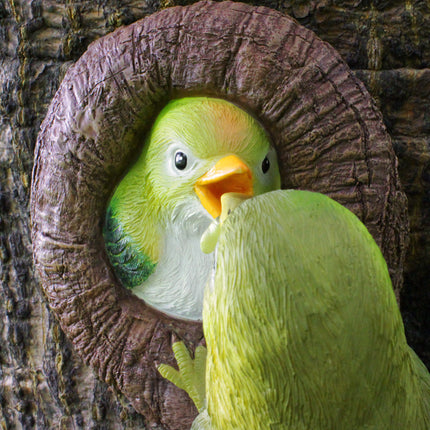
column 328, row 133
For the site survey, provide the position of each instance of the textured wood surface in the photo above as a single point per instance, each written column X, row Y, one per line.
column 44, row 384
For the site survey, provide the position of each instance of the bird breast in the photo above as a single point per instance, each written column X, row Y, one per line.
column 177, row 285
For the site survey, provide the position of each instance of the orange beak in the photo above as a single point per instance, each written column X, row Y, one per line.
column 229, row 175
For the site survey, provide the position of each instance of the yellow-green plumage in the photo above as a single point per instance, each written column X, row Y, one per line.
column 302, row 326
column 155, row 219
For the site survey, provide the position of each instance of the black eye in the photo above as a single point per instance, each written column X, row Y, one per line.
column 265, row 165
column 180, row 160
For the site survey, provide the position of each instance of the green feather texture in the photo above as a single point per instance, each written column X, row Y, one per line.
column 155, row 219
column 302, row 326
column 131, row 265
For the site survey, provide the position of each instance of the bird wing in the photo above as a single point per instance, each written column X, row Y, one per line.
column 422, row 393
column 130, row 265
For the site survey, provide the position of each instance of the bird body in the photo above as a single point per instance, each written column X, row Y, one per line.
column 198, row 149
column 302, row 326
column 301, row 323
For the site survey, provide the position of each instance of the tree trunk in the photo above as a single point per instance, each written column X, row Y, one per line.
column 44, row 384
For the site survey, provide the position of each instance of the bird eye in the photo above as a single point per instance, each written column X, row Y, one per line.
column 180, row 160
column 265, row 165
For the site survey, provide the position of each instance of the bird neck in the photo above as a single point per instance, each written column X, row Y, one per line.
column 177, row 285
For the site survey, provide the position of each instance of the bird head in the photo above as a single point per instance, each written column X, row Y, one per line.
column 201, row 148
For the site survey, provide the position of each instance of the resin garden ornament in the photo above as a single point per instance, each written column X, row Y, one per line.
column 302, row 326
column 170, row 114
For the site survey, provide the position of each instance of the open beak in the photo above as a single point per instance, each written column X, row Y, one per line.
column 229, row 175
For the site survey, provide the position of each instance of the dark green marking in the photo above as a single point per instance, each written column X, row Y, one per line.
column 131, row 266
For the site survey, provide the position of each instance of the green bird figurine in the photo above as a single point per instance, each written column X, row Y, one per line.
column 302, row 326
column 198, row 149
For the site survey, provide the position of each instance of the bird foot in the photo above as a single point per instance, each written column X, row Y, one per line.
column 191, row 374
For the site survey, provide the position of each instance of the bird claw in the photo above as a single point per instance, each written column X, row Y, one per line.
column 191, row 374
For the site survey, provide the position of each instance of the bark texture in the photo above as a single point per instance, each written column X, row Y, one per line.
column 44, row 383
